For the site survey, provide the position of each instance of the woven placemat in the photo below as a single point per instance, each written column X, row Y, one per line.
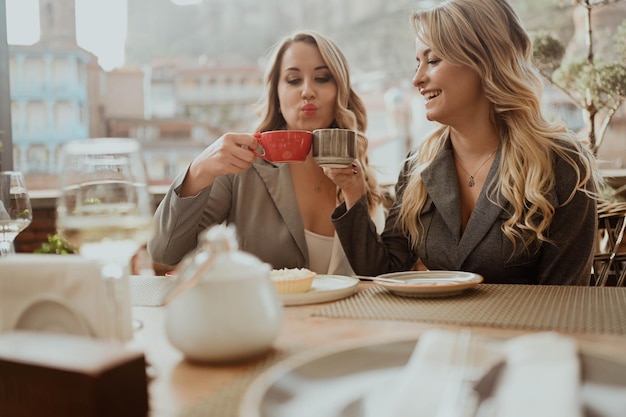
column 226, row 401
column 530, row 307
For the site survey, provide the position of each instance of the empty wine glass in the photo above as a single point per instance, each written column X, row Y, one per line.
column 15, row 210
column 104, row 211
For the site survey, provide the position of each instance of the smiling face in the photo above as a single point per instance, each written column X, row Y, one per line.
column 307, row 91
column 453, row 93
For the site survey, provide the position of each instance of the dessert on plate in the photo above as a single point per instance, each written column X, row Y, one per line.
column 292, row 281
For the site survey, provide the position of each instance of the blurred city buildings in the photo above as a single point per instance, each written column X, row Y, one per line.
column 194, row 73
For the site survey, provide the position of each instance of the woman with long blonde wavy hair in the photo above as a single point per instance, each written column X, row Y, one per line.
column 498, row 189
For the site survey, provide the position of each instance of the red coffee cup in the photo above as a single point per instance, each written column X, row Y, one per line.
column 284, row 146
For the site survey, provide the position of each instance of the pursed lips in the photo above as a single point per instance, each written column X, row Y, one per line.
column 309, row 109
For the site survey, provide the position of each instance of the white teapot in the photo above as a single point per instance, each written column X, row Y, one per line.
column 224, row 306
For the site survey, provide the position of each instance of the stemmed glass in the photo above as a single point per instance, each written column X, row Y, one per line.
column 15, row 210
column 104, row 211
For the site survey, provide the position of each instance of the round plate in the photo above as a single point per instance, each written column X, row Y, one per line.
column 336, row 383
column 325, row 288
column 52, row 316
column 435, row 283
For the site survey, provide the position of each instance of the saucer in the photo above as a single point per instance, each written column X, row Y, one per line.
column 333, row 162
column 436, row 283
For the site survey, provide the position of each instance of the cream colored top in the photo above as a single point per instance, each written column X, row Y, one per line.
column 320, row 251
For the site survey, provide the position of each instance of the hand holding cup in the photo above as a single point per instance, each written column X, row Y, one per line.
column 334, row 148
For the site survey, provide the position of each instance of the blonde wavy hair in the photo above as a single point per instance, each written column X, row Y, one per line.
column 487, row 36
column 350, row 112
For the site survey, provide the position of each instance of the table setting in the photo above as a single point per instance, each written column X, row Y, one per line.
column 350, row 357
column 444, row 373
column 225, row 334
column 313, row 337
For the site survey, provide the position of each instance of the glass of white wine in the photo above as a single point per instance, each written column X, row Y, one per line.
column 15, row 210
column 104, row 212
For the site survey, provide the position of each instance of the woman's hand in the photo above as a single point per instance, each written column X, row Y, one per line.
column 232, row 153
column 350, row 180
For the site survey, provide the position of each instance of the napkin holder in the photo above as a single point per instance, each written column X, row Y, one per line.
column 52, row 293
column 48, row 374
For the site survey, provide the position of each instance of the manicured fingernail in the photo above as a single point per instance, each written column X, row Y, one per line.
column 353, row 165
column 354, row 171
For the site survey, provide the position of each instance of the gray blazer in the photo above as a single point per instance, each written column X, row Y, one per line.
column 482, row 248
column 260, row 202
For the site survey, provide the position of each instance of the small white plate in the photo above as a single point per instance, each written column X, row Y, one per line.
column 436, row 283
column 325, row 288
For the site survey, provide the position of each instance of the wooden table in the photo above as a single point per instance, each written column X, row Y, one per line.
column 179, row 385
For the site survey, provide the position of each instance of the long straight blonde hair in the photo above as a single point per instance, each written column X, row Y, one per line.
column 488, row 37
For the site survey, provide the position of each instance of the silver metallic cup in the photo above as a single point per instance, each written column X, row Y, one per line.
column 334, row 148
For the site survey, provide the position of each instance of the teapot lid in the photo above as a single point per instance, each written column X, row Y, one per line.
column 213, row 241
column 219, row 238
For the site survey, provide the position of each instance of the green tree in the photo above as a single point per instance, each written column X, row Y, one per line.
column 596, row 86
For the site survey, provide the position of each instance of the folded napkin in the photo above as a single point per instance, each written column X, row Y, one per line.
column 436, row 380
column 419, row 388
column 541, row 378
column 52, row 293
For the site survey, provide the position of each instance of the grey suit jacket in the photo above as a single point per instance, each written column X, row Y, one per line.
column 260, row 202
column 482, row 248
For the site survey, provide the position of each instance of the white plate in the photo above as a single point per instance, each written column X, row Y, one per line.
column 436, row 283
column 325, row 288
column 333, row 384
column 52, row 316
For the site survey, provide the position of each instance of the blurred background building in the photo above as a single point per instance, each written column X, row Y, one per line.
column 194, row 72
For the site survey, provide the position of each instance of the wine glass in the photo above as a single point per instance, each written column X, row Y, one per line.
column 15, row 210
column 104, row 211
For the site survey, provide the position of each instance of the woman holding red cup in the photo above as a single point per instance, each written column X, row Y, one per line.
column 282, row 211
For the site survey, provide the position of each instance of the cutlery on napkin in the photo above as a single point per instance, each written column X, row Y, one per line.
column 437, row 380
column 538, row 375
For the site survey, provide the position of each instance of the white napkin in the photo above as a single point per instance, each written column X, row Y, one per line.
column 541, row 378
column 434, row 381
column 56, row 293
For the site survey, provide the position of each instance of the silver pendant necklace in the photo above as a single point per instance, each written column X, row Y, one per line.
column 470, row 179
